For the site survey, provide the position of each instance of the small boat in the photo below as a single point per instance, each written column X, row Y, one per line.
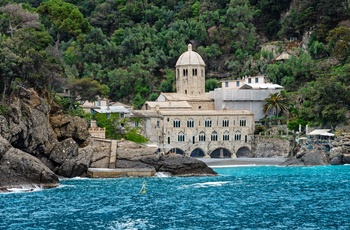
column 143, row 188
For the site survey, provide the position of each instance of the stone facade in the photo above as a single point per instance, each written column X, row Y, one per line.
column 207, row 133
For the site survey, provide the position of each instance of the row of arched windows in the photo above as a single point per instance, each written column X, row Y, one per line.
column 208, row 123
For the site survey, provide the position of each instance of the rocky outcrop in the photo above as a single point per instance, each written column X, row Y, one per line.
column 306, row 157
column 60, row 147
column 178, row 165
column 340, row 151
column 132, row 155
column 66, row 126
column 20, row 169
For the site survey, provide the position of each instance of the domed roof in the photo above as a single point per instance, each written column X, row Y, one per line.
column 190, row 58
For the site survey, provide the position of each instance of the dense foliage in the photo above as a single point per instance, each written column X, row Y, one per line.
column 128, row 49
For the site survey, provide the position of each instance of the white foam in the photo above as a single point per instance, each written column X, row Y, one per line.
column 162, row 174
column 26, row 188
column 207, row 184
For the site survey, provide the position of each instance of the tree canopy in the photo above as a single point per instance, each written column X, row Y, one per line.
column 131, row 47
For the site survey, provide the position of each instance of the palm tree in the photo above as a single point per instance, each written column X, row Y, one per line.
column 276, row 104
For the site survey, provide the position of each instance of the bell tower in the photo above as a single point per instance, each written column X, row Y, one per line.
column 190, row 73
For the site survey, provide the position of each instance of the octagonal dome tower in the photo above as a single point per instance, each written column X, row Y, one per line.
column 190, row 73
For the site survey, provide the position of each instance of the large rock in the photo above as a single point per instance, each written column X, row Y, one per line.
column 340, row 151
column 133, row 155
column 179, row 165
column 133, row 151
column 101, row 151
column 26, row 127
column 19, row 169
column 66, row 126
column 310, row 158
column 72, row 161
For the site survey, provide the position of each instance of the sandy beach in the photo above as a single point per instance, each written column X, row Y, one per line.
column 226, row 162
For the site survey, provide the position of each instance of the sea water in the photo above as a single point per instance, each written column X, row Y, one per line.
column 261, row 197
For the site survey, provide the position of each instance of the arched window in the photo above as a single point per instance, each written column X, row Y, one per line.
column 181, row 137
column 226, row 136
column 214, row 136
column 177, row 123
column 243, row 122
column 238, row 136
column 201, row 136
column 225, row 122
column 190, row 123
column 207, row 122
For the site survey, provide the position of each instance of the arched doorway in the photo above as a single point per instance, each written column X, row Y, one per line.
column 243, row 152
column 199, row 153
column 221, row 153
column 177, row 151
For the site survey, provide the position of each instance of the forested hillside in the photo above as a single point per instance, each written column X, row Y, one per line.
column 127, row 49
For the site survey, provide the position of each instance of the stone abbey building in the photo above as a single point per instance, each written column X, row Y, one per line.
column 186, row 122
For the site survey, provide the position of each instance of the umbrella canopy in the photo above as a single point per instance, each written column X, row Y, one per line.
column 321, row 132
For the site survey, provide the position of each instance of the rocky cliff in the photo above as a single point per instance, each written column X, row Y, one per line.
column 39, row 141
column 340, row 152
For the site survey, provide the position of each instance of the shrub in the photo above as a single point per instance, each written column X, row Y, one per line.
column 133, row 135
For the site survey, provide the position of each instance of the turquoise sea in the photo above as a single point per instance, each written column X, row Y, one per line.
column 259, row 197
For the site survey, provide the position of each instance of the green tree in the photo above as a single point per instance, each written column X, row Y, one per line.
column 339, row 42
column 86, row 89
column 325, row 101
column 65, row 19
column 211, row 84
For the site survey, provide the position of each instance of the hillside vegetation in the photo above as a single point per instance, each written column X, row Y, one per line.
column 127, row 49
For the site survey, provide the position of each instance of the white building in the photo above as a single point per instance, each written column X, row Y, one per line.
column 247, row 93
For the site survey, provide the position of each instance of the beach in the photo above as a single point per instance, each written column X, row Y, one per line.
column 226, row 162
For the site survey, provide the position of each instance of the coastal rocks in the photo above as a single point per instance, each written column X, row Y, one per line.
column 133, row 151
column 19, row 169
column 307, row 157
column 62, row 145
column 26, row 126
column 71, row 160
column 100, row 153
column 66, row 126
column 132, row 155
column 178, row 165
column 340, row 151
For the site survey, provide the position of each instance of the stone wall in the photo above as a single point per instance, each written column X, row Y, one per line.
column 265, row 146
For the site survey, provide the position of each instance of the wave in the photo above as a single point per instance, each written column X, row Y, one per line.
column 24, row 188
column 162, row 174
column 206, row 184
